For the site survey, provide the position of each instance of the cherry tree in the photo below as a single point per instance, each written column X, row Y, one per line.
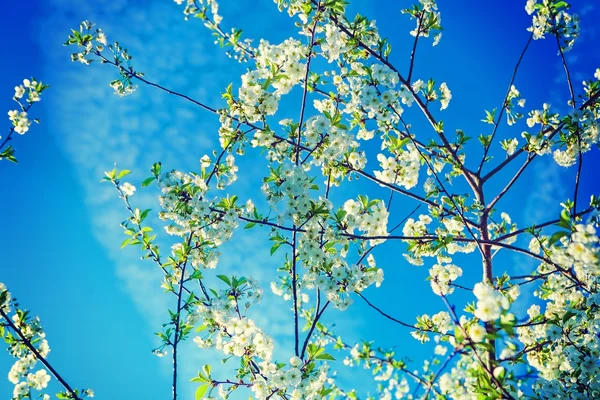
column 351, row 126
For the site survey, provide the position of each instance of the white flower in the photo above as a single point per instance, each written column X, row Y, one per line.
column 429, row 186
column 295, row 362
column 33, row 97
column 365, row 134
column 128, row 189
column 487, row 310
column 597, row 74
column 22, row 126
column 442, row 321
column 20, row 389
column 510, row 145
column 428, row 5
column 101, row 38
column 294, row 376
column 445, row 96
column 357, row 160
column 564, row 158
column 442, row 276
column 529, row 6
column 19, row 120
column 15, row 373
column 440, row 350
column 534, row 245
column 39, row 380
column 418, row 85
column 477, row 333
column 490, row 302
column 13, row 115
column 19, row 92
column 205, row 161
column 533, row 311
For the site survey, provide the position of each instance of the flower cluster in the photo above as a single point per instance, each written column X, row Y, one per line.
column 92, row 43
column 580, row 133
column 335, row 42
column 439, row 323
column 88, row 40
column 327, row 268
column 401, row 169
column 418, row 249
column 490, row 302
column 30, row 91
column 431, row 94
column 540, row 143
column 22, row 373
column 297, row 380
column 428, row 19
column 19, row 120
column 278, row 66
column 186, row 205
column 441, row 276
column 369, row 216
column 510, row 145
column 26, row 342
column 287, row 190
column 514, row 97
column 224, row 325
column 503, row 227
column 458, row 382
column 550, row 16
column 568, row 366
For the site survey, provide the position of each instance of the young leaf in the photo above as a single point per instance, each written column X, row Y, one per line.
column 201, row 391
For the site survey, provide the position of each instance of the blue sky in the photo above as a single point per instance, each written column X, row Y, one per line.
column 60, row 231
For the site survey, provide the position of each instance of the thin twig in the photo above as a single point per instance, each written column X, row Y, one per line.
column 37, row 354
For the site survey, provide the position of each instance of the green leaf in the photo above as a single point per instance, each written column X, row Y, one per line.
column 275, row 247
column 156, row 167
column 557, row 236
column 9, row 154
column 3, row 297
column 144, row 214
column 148, row 181
column 561, row 4
column 325, row 356
column 199, row 378
column 224, row 279
column 568, row 315
column 201, row 391
column 111, row 174
column 564, row 215
column 123, row 173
